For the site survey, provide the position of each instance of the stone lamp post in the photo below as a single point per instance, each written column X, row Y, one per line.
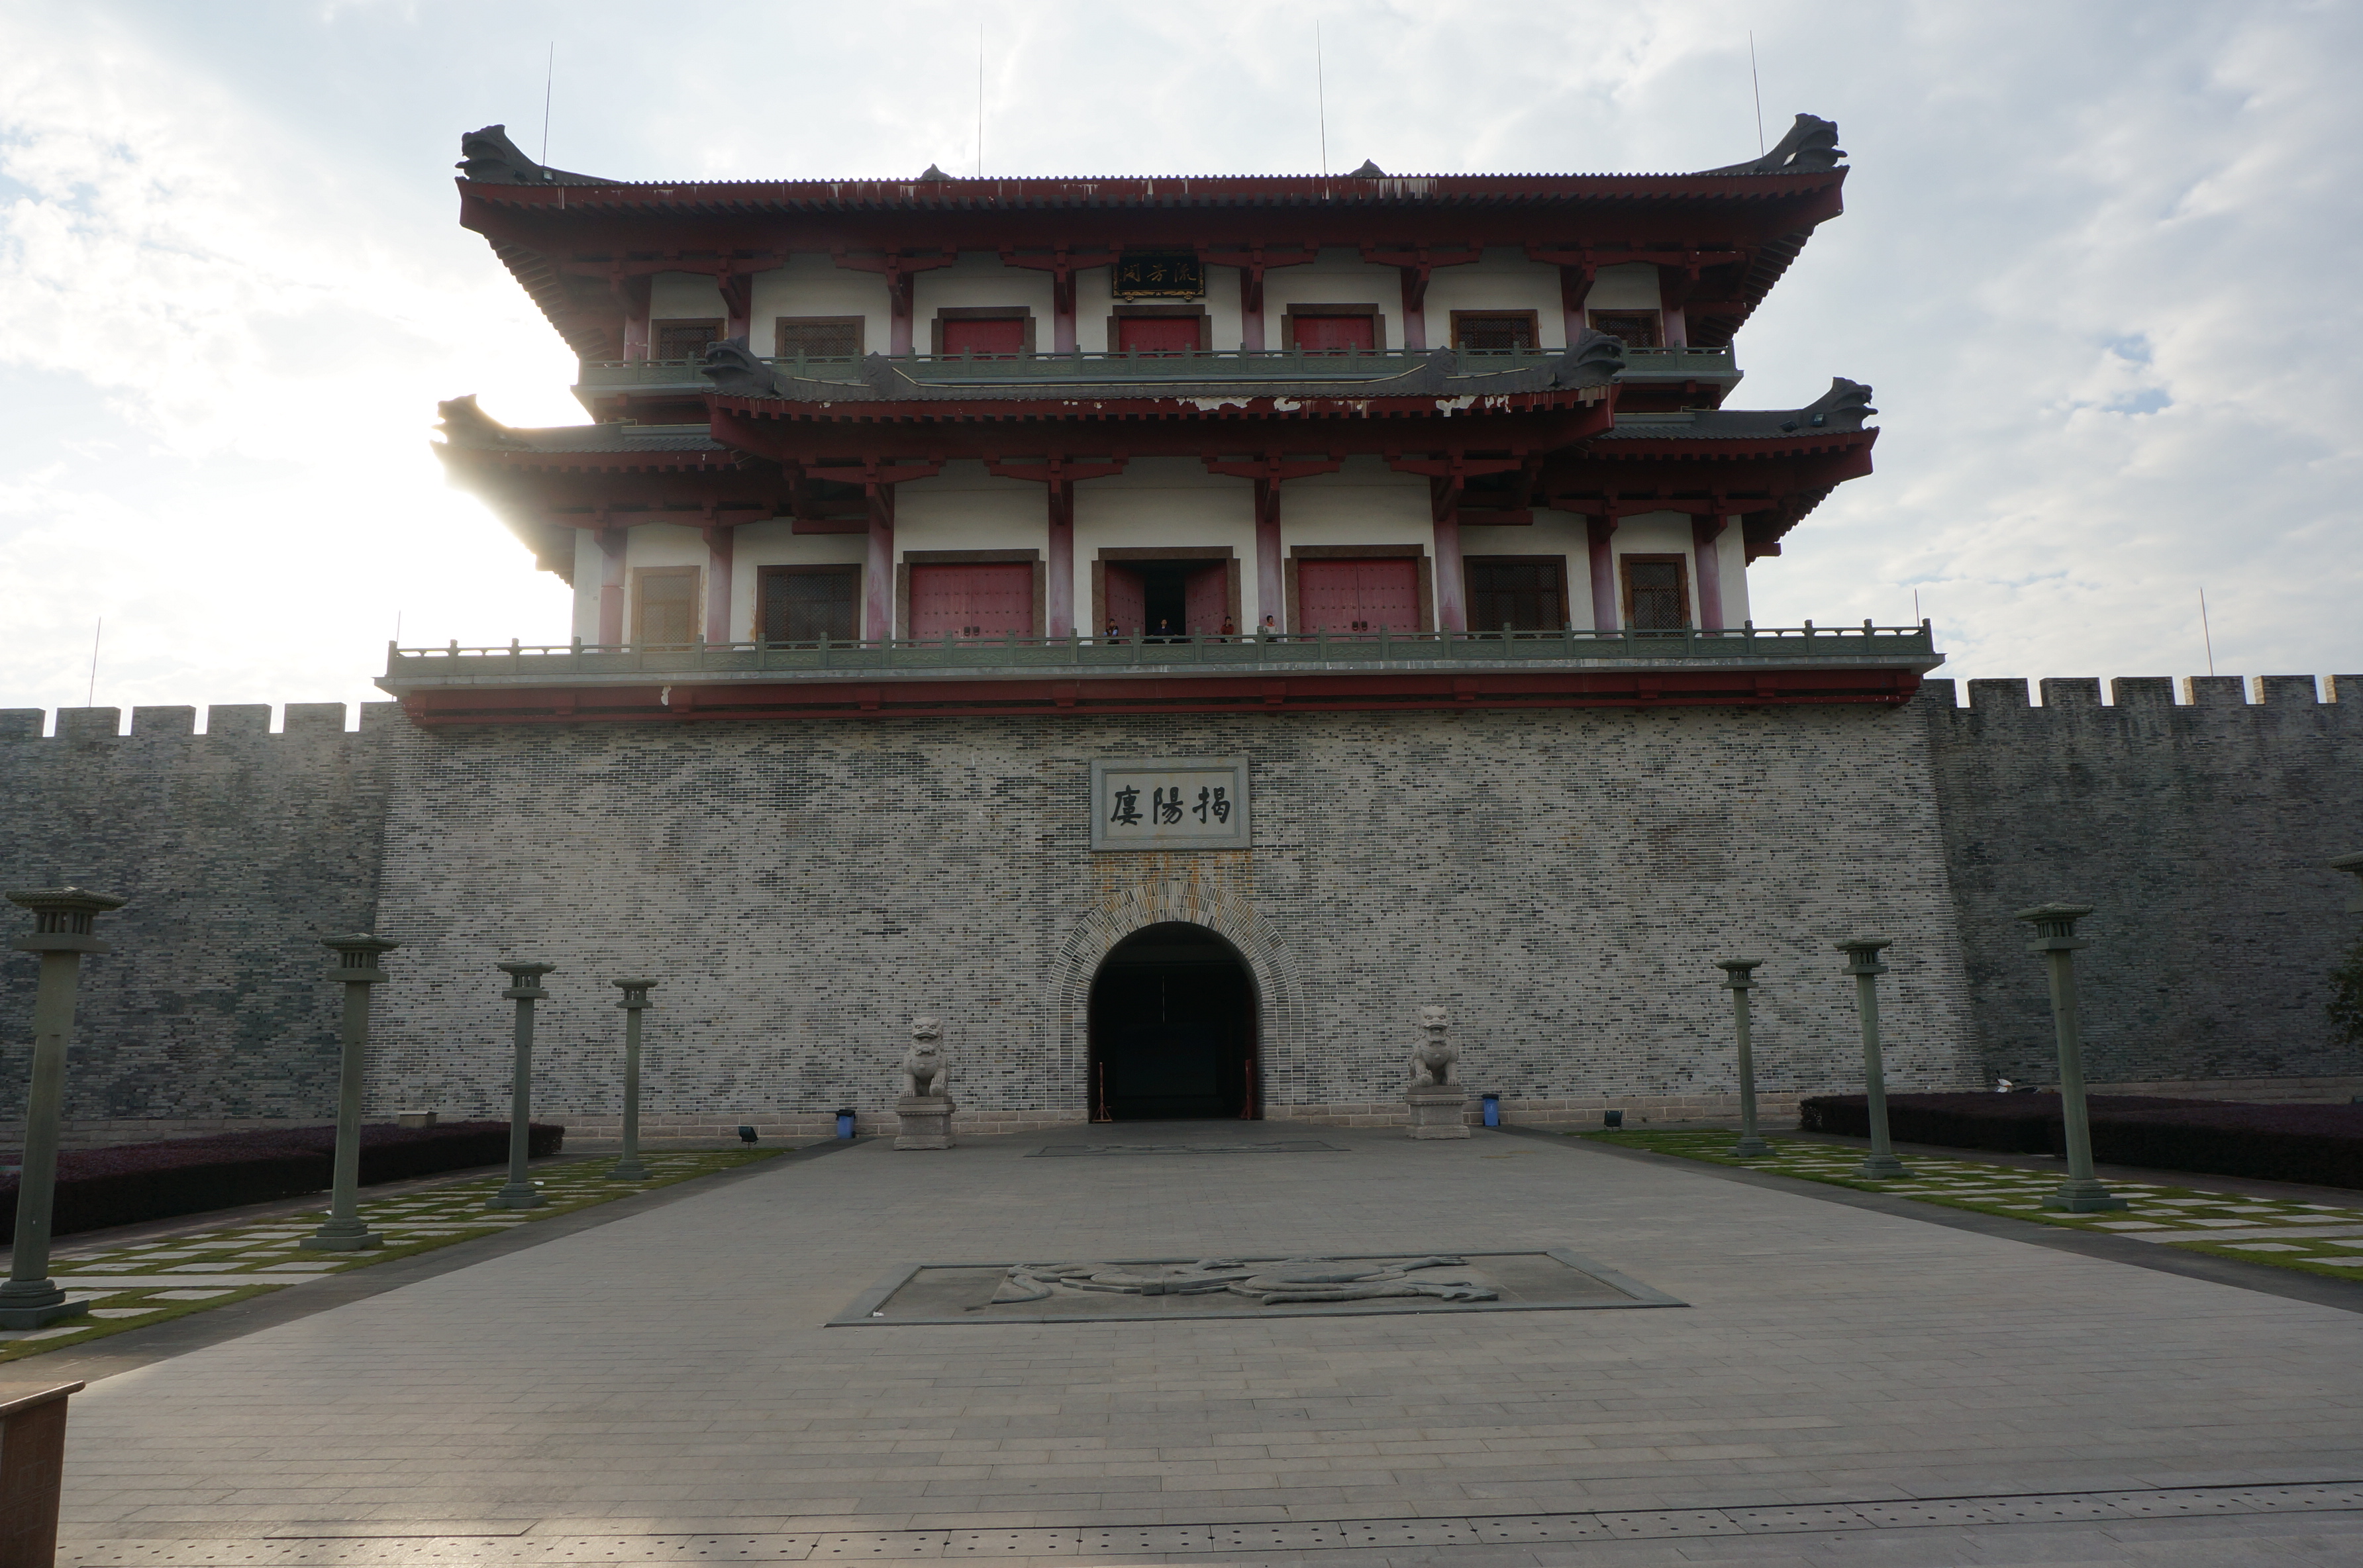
column 1862, row 963
column 2055, row 939
column 1739, row 979
column 357, row 969
column 524, row 989
column 636, row 1002
column 62, row 934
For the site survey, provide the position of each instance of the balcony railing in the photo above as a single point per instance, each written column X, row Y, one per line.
column 1272, row 365
column 583, row 663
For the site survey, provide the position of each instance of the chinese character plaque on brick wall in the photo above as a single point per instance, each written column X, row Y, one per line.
column 1198, row 802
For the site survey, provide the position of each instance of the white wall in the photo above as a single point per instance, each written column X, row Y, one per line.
column 977, row 279
column 1632, row 286
column 1503, row 281
column 589, row 563
column 1731, row 559
column 816, row 285
column 1365, row 502
column 691, row 295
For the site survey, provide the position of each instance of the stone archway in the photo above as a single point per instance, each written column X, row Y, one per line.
column 1281, row 1011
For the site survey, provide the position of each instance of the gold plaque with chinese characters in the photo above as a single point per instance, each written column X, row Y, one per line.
column 1177, row 275
column 1196, row 802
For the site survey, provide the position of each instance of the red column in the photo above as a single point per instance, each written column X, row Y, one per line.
column 1704, row 533
column 1414, row 309
column 1678, row 326
column 1272, row 580
column 721, row 545
column 1251, row 309
column 877, row 571
column 611, row 585
column 1059, row 595
column 738, row 308
column 1604, row 575
column 1062, row 322
column 898, row 313
column 1451, row 599
column 1574, row 287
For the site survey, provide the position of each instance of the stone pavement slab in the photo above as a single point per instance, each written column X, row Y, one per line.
column 671, row 1373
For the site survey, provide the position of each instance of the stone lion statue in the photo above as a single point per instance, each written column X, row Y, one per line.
column 925, row 1070
column 1432, row 1059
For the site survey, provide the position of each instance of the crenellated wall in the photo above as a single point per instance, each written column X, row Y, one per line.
column 238, row 849
column 2198, row 829
column 1561, row 880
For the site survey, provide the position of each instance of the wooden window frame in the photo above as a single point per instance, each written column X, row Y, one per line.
column 1309, row 308
column 1681, row 565
column 1125, row 554
column 767, row 574
column 1591, row 319
column 1560, row 561
column 1531, row 318
column 981, row 313
column 860, row 325
column 1123, row 311
column 1426, row 575
column 968, row 557
column 641, row 576
column 657, row 329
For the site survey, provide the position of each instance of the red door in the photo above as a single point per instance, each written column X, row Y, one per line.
column 1000, row 336
column 1335, row 334
column 1358, row 597
column 1127, row 601
column 1206, row 600
column 1157, row 334
column 980, row 600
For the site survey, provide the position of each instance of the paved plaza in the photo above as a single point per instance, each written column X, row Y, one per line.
column 1844, row 1385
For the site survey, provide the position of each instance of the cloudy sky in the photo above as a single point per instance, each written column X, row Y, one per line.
column 2099, row 264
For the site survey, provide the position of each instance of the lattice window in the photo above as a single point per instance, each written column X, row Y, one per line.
column 1657, row 593
column 683, row 339
column 1525, row 595
column 1639, row 329
column 1510, row 332
column 818, row 337
column 804, row 604
column 664, row 607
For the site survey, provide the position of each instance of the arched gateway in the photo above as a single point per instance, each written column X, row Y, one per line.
column 1173, row 1021
column 1112, row 993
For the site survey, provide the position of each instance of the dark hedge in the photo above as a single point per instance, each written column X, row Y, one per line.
column 2322, row 1145
column 2009, row 1123
column 98, row 1187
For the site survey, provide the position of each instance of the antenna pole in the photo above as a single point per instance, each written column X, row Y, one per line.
column 90, row 697
column 550, row 74
column 2203, row 632
column 980, row 100
column 1321, row 99
column 1758, row 88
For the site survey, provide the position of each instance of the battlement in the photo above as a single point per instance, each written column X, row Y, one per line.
column 242, row 719
column 2150, row 693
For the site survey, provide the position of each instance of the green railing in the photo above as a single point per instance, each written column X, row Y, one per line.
column 583, row 662
column 1275, row 365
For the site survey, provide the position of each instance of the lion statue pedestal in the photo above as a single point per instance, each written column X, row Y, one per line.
column 924, row 1110
column 1438, row 1100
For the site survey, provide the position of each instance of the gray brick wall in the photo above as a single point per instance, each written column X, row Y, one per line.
column 2198, row 830
column 238, row 849
column 1561, row 880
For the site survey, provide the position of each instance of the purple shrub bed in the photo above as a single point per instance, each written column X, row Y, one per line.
column 2007, row 1123
column 98, row 1187
column 2319, row 1144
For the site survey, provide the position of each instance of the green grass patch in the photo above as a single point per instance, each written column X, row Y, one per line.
column 2257, row 1230
column 235, row 1262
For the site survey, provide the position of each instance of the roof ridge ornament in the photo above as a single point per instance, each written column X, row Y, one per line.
column 1368, row 170
column 465, row 424
column 1843, row 407
column 489, row 158
column 1810, row 147
column 933, row 175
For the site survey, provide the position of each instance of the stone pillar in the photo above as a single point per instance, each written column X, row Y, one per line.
column 524, row 989
column 357, row 970
column 2055, row 932
column 62, row 933
column 923, row 1110
column 1739, row 978
column 1438, row 1099
column 1862, row 963
column 636, row 1001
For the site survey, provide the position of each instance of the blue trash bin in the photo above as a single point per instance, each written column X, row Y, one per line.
column 1492, row 1109
column 845, row 1122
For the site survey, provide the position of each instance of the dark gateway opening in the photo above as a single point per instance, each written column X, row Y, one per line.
column 1173, row 1028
